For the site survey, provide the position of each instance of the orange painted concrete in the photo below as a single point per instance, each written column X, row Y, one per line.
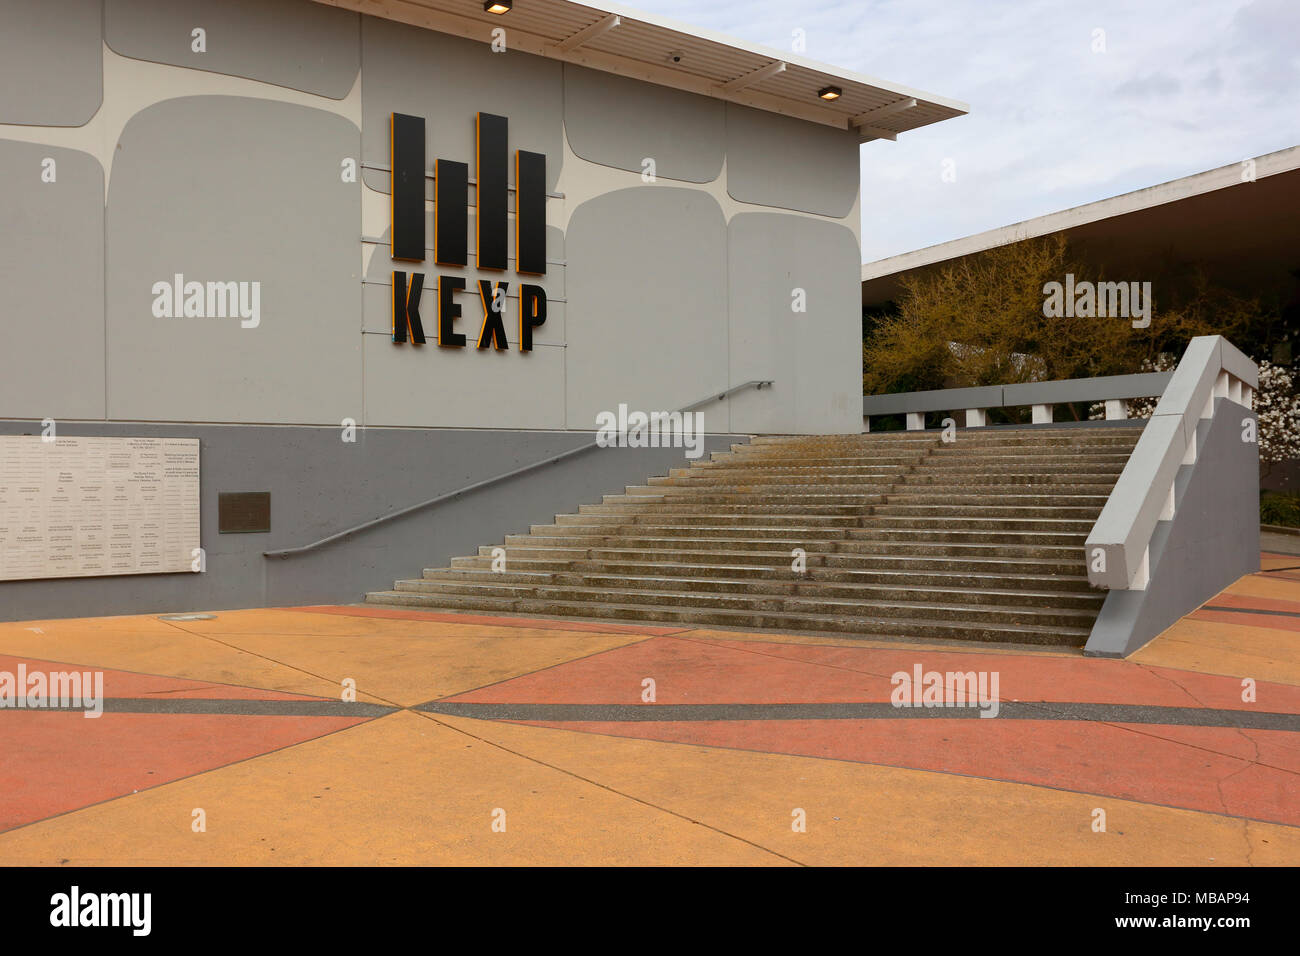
column 414, row 787
column 1126, row 761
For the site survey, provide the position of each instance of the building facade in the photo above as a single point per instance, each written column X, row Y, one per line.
column 199, row 208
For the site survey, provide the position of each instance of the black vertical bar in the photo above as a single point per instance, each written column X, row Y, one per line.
column 450, row 212
column 406, row 157
column 491, row 214
column 530, row 213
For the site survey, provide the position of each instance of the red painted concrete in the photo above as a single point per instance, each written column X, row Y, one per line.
column 68, row 761
column 689, row 670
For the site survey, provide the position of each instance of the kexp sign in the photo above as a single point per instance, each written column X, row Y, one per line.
column 451, row 227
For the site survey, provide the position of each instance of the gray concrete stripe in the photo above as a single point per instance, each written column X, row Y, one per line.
column 1008, row 710
column 1248, row 610
column 247, row 707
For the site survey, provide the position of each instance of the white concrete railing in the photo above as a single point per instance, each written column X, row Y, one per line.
column 1042, row 397
column 1118, row 547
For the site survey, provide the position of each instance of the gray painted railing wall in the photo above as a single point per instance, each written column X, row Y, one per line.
column 1182, row 521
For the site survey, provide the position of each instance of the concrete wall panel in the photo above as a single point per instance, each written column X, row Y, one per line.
column 619, row 122
column 647, row 315
column 814, row 356
column 789, row 163
column 51, row 62
column 292, row 43
column 51, row 282
column 231, row 189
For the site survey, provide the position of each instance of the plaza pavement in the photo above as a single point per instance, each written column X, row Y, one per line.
column 508, row 740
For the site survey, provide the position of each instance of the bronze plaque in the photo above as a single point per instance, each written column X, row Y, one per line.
column 243, row 512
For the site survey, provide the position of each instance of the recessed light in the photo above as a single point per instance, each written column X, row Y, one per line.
column 498, row 6
column 830, row 92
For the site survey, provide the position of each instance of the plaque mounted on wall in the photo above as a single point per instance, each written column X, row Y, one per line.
column 89, row 506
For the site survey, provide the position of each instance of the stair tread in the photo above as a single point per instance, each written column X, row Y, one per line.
column 811, row 617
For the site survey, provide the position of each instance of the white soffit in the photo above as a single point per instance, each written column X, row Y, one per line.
column 628, row 42
column 1234, row 174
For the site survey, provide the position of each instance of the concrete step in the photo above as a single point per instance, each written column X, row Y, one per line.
column 758, row 480
column 638, row 493
column 966, row 466
column 690, row 505
column 807, row 464
column 746, row 618
column 915, row 509
column 662, row 519
column 988, row 577
column 980, row 522
column 899, row 546
column 805, row 533
column 1085, row 483
column 1025, row 495
column 972, row 439
column 790, row 584
column 1059, row 566
column 740, row 601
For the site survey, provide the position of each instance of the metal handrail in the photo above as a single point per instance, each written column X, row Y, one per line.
column 495, row 480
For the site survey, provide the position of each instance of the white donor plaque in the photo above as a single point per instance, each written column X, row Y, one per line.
column 77, row 507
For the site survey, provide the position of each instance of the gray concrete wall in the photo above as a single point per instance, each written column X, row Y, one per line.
column 51, row 282
column 320, row 485
column 291, row 43
column 618, row 122
column 186, row 198
column 1212, row 540
column 51, row 62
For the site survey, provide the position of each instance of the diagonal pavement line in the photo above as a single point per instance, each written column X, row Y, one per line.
column 214, row 684
column 613, row 790
column 548, row 667
column 293, row 667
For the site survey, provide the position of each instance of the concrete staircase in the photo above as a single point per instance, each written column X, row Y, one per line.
column 906, row 536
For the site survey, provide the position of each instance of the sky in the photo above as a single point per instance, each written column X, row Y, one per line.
column 1180, row 87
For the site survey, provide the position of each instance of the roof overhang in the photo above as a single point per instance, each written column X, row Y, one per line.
column 1201, row 217
column 627, row 42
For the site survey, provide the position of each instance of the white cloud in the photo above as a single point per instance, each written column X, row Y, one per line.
column 1183, row 86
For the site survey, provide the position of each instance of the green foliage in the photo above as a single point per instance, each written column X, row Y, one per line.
column 979, row 321
column 1280, row 509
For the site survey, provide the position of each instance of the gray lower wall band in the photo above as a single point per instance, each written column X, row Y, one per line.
column 320, row 485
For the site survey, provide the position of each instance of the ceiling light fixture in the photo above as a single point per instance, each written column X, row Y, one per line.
column 830, row 92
